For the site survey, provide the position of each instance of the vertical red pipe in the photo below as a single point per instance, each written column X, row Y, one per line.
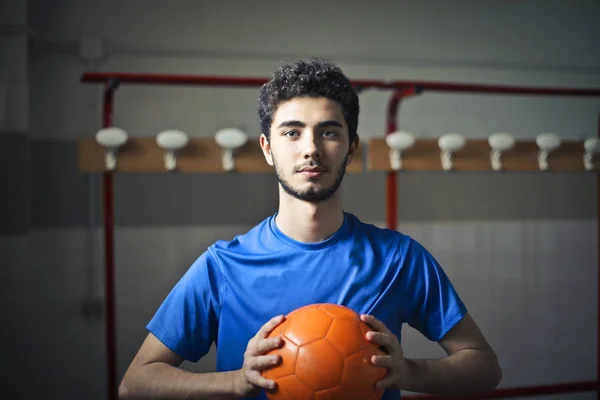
column 109, row 264
column 391, row 178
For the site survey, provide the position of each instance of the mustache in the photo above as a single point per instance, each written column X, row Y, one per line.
column 312, row 164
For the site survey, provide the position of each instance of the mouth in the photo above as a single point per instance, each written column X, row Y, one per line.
column 312, row 172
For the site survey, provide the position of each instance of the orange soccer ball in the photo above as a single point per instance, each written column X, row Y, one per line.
column 325, row 356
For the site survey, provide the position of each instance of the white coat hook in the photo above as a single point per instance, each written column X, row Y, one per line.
column 591, row 148
column 547, row 143
column 230, row 139
column 171, row 141
column 398, row 142
column 111, row 139
column 450, row 143
column 499, row 142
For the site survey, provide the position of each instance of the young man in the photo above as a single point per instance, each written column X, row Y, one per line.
column 310, row 251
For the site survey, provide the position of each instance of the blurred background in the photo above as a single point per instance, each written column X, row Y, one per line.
column 521, row 248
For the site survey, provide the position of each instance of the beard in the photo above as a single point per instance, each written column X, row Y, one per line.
column 312, row 194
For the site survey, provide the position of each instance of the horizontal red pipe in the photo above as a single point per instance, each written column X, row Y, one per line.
column 571, row 387
column 169, row 79
column 100, row 77
column 498, row 89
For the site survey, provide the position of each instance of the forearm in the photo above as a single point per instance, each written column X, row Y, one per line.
column 163, row 381
column 465, row 371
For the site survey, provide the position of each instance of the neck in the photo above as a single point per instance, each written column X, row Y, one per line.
column 309, row 222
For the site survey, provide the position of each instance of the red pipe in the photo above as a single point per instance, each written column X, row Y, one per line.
column 573, row 387
column 391, row 178
column 391, row 190
column 498, row 89
column 172, row 79
column 109, row 262
column 391, row 199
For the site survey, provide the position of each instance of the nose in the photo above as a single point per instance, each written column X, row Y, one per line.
column 311, row 146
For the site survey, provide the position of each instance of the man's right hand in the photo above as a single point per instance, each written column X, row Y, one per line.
column 250, row 382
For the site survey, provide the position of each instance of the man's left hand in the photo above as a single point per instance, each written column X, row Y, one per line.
column 394, row 360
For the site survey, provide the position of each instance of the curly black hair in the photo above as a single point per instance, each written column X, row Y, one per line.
column 313, row 77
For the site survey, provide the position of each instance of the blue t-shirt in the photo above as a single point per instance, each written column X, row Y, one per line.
column 236, row 286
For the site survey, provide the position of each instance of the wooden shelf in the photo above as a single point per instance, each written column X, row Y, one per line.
column 201, row 155
column 475, row 156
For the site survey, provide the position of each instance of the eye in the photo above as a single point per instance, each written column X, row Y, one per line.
column 329, row 134
column 289, row 133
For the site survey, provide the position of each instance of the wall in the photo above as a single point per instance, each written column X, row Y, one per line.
column 521, row 248
column 14, row 188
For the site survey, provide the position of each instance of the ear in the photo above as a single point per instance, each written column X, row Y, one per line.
column 352, row 150
column 266, row 149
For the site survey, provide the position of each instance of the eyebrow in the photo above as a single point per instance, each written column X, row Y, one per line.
column 300, row 124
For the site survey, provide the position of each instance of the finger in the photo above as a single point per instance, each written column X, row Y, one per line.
column 375, row 323
column 255, row 378
column 269, row 326
column 263, row 346
column 382, row 339
column 372, row 321
column 382, row 361
column 262, row 362
column 386, row 383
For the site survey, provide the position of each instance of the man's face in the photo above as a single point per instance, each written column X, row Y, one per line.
column 309, row 147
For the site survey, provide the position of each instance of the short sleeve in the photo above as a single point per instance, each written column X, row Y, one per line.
column 433, row 306
column 186, row 321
